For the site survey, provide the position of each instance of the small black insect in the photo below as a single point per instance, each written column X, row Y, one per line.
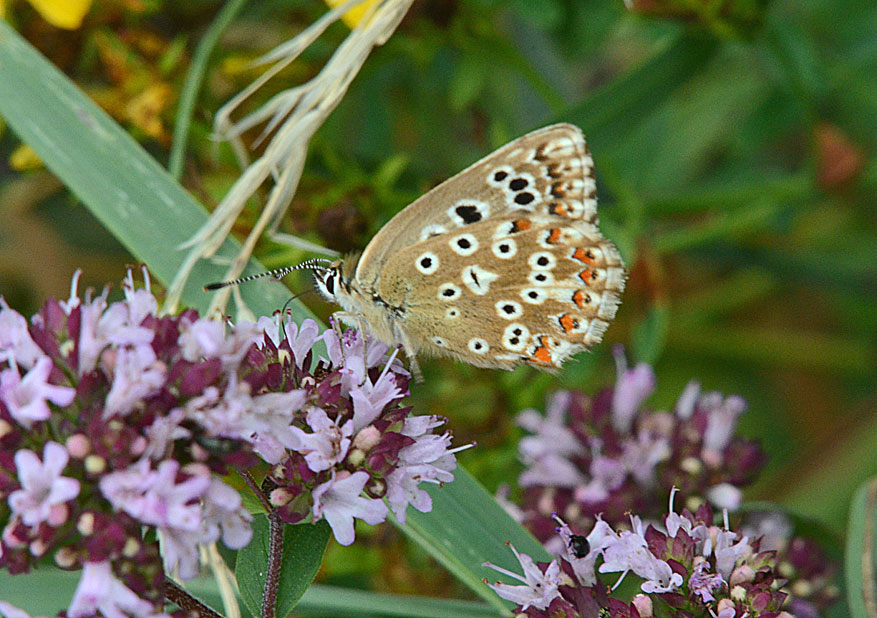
column 579, row 545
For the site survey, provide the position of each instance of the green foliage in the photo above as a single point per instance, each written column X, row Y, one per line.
column 861, row 551
column 303, row 547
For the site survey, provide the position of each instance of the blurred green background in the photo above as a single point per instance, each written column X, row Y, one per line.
column 734, row 146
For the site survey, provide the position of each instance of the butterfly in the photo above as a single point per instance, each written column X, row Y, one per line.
column 498, row 266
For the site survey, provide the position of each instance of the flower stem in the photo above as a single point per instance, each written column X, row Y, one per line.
column 257, row 491
column 185, row 601
column 275, row 545
column 275, row 557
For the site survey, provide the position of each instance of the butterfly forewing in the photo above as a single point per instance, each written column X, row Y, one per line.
column 503, row 263
column 553, row 158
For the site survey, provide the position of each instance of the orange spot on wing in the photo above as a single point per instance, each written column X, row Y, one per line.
column 522, row 224
column 579, row 298
column 542, row 355
column 583, row 255
column 554, row 237
column 559, row 209
column 586, row 275
column 567, row 322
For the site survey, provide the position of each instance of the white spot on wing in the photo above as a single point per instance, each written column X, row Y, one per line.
column 449, row 291
column 427, row 263
column 462, row 213
column 541, row 277
column 464, row 244
column 477, row 279
column 509, row 309
column 534, row 296
column 516, row 337
column 505, row 248
column 431, row 230
column 478, row 345
column 542, row 260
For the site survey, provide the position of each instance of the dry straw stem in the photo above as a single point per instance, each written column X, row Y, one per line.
column 295, row 114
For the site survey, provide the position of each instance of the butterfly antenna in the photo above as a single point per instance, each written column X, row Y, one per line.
column 277, row 273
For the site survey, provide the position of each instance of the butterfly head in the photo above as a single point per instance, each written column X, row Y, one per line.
column 333, row 279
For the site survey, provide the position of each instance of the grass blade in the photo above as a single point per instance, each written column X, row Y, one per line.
column 125, row 188
column 194, row 79
column 861, row 552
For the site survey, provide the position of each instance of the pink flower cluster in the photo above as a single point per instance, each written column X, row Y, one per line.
column 687, row 567
column 114, row 418
column 608, row 454
column 352, row 444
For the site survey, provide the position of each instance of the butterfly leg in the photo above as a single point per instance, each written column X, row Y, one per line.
column 402, row 336
column 350, row 319
column 335, row 320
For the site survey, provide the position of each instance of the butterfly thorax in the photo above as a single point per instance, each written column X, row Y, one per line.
column 360, row 302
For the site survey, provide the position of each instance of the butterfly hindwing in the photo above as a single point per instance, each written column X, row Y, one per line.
column 507, row 290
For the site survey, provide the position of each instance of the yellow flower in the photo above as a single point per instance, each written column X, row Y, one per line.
column 354, row 15
column 67, row 14
column 24, row 158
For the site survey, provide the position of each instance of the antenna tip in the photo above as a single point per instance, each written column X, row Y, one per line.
column 213, row 286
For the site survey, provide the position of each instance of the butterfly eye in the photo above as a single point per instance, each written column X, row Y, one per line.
column 329, row 283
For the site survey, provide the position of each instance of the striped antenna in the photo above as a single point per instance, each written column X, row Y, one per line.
column 277, row 273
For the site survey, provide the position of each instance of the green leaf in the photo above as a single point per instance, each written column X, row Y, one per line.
column 388, row 173
column 740, row 289
column 125, row 188
column 466, row 84
column 861, row 552
column 606, row 115
column 332, row 601
column 772, row 346
column 650, row 335
column 466, row 528
column 56, row 588
column 303, row 549
column 726, row 225
column 323, row 601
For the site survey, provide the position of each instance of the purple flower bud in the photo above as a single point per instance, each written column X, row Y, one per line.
column 743, row 574
column 643, row 605
column 632, row 387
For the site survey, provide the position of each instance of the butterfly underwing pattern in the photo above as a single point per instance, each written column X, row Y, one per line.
column 500, row 265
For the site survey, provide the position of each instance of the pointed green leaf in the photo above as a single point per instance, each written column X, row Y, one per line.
column 861, row 553
column 114, row 177
column 303, row 549
column 466, row 528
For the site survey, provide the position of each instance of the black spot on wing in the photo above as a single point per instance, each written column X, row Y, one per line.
column 469, row 214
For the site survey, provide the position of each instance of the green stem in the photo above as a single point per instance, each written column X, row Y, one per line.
column 728, row 224
column 193, row 82
column 783, row 189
